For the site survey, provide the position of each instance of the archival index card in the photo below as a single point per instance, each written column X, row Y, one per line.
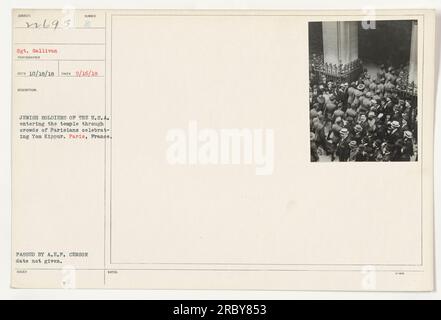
column 281, row 150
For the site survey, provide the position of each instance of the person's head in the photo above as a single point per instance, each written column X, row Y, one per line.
column 318, row 125
column 380, row 117
column 358, row 129
column 336, row 128
column 344, row 133
column 362, row 118
column 377, row 143
column 320, row 99
column 395, row 124
column 320, row 116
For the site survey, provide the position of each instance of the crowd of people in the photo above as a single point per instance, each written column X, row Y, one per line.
column 364, row 120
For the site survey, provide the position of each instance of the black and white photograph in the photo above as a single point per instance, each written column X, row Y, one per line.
column 363, row 90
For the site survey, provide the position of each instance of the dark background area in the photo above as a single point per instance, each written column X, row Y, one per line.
column 315, row 38
column 389, row 43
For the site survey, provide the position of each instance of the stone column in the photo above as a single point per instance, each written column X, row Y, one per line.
column 340, row 42
column 413, row 61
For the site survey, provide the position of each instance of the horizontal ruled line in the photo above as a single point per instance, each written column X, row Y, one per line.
column 60, row 60
column 62, row 29
column 271, row 264
column 58, row 77
column 60, row 44
column 216, row 270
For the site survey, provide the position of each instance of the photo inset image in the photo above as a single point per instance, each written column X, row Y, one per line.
column 363, row 91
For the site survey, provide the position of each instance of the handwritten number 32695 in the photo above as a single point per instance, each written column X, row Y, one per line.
column 50, row 24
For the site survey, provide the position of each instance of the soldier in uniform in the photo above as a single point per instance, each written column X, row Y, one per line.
column 407, row 148
column 353, row 150
column 314, row 151
column 394, row 133
column 343, row 149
